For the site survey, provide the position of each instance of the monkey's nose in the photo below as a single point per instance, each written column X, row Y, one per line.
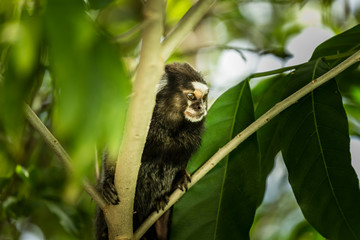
column 196, row 106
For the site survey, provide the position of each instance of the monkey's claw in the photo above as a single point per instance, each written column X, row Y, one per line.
column 183, row 180
column 161, row 203
column 109, row 192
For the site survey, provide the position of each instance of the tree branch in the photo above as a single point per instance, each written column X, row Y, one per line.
column 184, row 26
column 252, row 128
column 276, row 71
column 119, row 217
column 54, row 144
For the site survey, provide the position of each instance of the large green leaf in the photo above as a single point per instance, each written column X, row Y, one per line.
column 21, row 64
column 91, row 82
column 348, row 81
column 268, row 93
column 315, row 147
column 222, row 205
column 346, row 41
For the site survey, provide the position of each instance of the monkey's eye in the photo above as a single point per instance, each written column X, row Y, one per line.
column 190, row 96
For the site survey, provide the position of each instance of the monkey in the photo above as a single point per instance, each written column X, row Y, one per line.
column 175, row 132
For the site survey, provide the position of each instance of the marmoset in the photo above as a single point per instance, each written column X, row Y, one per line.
column 175, row 134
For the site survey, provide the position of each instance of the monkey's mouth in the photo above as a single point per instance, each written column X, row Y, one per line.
column 194, row 116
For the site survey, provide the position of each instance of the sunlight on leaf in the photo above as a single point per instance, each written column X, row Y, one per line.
column 22, row 172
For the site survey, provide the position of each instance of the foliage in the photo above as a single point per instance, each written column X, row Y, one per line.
column 73, row 61
column 315, row 147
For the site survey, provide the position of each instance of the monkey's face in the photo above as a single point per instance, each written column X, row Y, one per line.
column 196, row 98
column 181, row 96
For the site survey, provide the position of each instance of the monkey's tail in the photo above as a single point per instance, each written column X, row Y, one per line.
column 101, row 231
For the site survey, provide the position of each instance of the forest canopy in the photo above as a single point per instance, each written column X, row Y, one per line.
column 75, row 64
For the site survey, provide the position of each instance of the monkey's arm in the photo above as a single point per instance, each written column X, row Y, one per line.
column 181, row 181
column 108, row 189
column 106, row 185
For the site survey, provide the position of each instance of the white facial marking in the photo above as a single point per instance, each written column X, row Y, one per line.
column 191, row 114
column 200, row 86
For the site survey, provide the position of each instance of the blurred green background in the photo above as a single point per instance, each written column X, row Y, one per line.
column 72, row 61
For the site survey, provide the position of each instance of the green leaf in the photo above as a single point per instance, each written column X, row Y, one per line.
column 315, row 146
column 341, row 46
column 176, row 10
column 346, row 41
column 269, row 92
column 91, row 82
column 222, row 205
column 22, row 62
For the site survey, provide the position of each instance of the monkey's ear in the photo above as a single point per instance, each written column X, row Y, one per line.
column 172, row 68
column 182, row 72
column 178, row 68
column 173, row 71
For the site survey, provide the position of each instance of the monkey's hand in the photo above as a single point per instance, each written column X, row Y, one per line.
column 161, row 203
column 182, row 180
column 109, row 191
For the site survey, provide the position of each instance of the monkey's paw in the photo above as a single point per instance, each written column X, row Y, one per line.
column 161, row 203
column 109, row 192
column 183, row 180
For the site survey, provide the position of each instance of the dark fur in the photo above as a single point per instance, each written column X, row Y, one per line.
column 169, row 145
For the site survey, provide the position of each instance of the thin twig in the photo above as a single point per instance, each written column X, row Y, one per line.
column 242, row 136
column 284, row 69
column 276, row 71
column 185, row 26
column 64, row 157
column 51, row 141
column 239, row 50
